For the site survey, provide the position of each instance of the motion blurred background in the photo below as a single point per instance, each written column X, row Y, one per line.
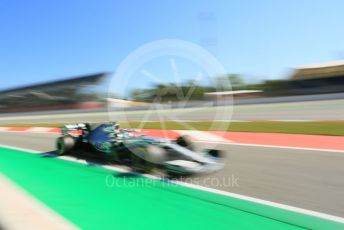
column 276, row 110
column 60, row 57
column 317, row 81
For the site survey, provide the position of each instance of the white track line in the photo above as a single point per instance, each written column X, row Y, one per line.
column 51, row 131
column 203, row 136
column 294, row 120
column 39, row 130
column 224, row 193
column 288, row 147
column 19, row 210
column 265, row 202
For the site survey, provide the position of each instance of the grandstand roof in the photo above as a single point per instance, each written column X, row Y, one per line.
column 74, row 81
column 322, row 70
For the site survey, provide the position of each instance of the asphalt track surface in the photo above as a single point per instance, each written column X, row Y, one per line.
column 307, row 179
column 297, row 111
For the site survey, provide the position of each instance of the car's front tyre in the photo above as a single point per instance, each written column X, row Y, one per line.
column 186, row 142
column 146, row 157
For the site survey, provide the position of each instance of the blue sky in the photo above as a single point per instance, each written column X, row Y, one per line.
column 47, row 40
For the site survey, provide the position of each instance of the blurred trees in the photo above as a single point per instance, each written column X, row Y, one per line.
column 189, row 90
column 192, row 90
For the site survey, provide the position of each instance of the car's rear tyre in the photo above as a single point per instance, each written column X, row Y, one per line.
column 64, row 144
column 186, row 142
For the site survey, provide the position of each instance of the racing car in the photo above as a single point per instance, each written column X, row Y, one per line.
column 142, row 153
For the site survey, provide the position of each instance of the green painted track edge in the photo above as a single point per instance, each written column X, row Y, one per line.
column 281, row 215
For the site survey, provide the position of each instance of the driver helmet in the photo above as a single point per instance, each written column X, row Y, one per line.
column 116, row 126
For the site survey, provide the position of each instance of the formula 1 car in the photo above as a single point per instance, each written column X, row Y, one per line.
column 174, row 157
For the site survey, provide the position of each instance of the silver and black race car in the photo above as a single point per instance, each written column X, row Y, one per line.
column 109, row 141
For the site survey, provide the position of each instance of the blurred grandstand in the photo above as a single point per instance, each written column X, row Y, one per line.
column 89, row 92
column 73, row 93
column 318, row 78
column 323, row 78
